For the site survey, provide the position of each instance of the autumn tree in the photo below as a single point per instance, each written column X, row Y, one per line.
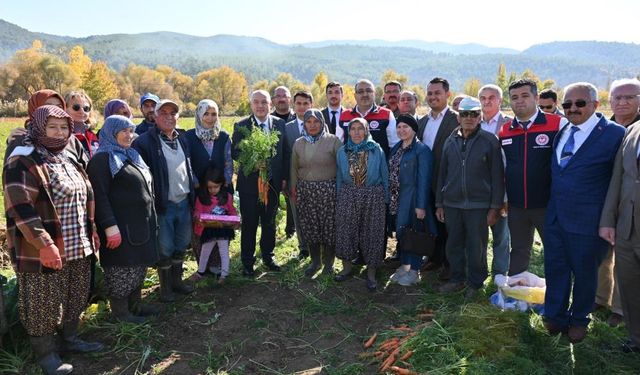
column 224, row 85
column 317, row 89
column 287, row 80
column 100, row 84
column 78, row 61
column 471, row 87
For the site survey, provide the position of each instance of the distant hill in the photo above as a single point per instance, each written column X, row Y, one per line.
column 347, row 61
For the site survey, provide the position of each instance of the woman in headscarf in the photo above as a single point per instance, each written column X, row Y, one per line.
column 117, row 107
column 363, row 190
column 79, row 107
column 210, row 146
column 39, row 98
column 49, row 210
column 313, row 189
column 125, row 217
column 410, row 173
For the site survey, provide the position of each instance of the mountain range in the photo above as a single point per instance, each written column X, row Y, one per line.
column 343, row 60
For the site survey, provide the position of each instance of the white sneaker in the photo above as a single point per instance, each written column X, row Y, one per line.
column 410, row 278
column 400, row 273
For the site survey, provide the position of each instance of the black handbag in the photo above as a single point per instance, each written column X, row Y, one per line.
column 417, row 240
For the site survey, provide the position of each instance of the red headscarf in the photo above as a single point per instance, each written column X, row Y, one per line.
column 39, row 98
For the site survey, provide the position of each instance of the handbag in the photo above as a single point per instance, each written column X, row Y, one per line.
column 418, row 241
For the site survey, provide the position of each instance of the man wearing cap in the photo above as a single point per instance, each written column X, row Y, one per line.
column 282, row 104
column 469, row 197
column 548, row 102
column 527, row 144
column 624, row 97
column 334, row 108
column 253, row 211
column 492, row 120
column 382, row 122
column 391, row 96
column 434, row 129
column 168, row 157
column 148, row 103
column 581, row 169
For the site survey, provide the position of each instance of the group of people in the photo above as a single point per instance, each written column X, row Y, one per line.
column 134, row 194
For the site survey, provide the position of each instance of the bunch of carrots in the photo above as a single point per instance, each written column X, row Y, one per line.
column 391, row 354
column 263, row 188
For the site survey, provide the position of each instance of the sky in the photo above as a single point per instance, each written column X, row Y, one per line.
column 513, row 24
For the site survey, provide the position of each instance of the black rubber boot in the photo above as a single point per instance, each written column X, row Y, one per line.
column 72, row 343
column 314, row 252
column 177, row 284
column 120, row 311
column 166, row 291
column 44, row 348
column 141, row 309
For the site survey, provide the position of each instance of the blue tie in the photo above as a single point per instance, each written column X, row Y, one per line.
column 567, row 150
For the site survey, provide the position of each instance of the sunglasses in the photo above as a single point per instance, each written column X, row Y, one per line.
column 546, row 107
column 76, row 107
column 465, row 114
column 579, row 103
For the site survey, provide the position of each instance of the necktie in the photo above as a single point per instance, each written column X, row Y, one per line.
column 263, row 126
column 333, row 121
column 567, row 150
column 524, row 124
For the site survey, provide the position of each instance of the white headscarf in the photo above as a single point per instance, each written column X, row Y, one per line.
column 207, row 134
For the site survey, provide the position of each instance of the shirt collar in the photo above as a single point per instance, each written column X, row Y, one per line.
column 588, row 125
column 440, row 115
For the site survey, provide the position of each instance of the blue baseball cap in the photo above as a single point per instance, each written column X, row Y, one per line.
column 149, row 96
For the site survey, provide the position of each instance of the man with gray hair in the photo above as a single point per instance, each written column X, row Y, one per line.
column 492, row 120
column 625, row 103
column 582, row 165
column 382, row 122
column 252, row 209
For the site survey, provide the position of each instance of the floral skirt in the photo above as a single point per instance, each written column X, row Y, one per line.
column 316, row 208
column 360, row 220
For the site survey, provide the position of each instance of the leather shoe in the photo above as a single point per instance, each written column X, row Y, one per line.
column 630, row 347
column 271, row 266
column 577, row 334
column 248, row 272
column 430, row 266
column 615, row 320
column 451, row 287
column 372, row 285
column 597, row 307
column 445, row 274
column 342, row 277
column 554, row 328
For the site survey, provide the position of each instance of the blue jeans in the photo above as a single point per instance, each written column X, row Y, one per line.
column 414, row 260
column 174, row 233
column 501, row 240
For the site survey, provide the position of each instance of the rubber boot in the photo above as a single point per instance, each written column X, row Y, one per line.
column 166, row 291
column 328, row 257
column 44, row 348
column 177, row 284
column 141, row 309
column 314, row 252
column 72, row 343
column 120, row 311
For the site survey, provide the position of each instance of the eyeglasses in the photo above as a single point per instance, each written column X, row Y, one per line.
column 364, row 91
column 547, row 107
column 465, row 114
column 626, row 98
column 579, row 103
column 86, row 108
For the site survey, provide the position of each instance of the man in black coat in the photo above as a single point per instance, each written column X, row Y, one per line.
column 251, row 209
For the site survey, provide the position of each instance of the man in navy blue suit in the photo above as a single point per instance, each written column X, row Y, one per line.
column 584, row 154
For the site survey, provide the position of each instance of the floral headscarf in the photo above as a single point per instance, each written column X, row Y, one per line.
column 207, row 134
column 37, row 133
column 367, row 143
column 112, row 107
column 307, row 115
column 118, row 155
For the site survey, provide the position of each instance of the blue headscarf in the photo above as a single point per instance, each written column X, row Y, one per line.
column 367, row 143
column 118, row 155
column 307, row 115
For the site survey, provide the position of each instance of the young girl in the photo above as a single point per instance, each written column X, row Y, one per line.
column 214, row 199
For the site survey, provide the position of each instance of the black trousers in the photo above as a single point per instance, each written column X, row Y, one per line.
column 253, row 213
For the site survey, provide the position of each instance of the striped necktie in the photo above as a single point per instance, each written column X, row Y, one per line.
column 567, row 150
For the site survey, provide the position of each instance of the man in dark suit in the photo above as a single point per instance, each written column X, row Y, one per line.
column 334, row 108
column 251, row 209
column 583, row 160
column 620, row 226
column 433, row 130
column 302, row 101
column 492, row 120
